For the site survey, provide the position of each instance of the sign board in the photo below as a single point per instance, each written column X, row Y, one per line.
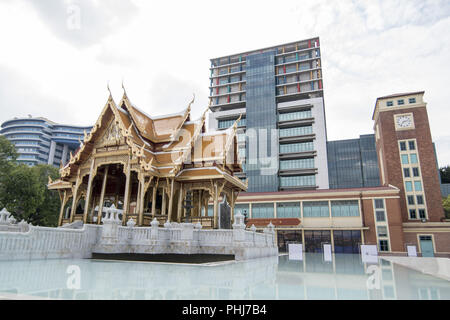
column 369, row 253
column 295, row 251
column 412, row 251
column 327, row 254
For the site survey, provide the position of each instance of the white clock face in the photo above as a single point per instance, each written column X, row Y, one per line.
column 404, row 121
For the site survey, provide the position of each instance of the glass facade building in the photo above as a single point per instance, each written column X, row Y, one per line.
column 278, row 92
column 353, row 163
column 41, row 141
column 262, row 153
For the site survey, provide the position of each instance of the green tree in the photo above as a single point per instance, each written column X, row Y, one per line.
column 21, row 192
column 8, row 156
column 23, row 189
column 47, row 212
column 445, row 174
column 446, row 205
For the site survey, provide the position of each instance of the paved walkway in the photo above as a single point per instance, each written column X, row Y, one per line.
column 437, row 267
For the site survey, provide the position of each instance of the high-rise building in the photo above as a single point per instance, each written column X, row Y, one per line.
column 41, row 141
column 353, row 163
column 278, row 93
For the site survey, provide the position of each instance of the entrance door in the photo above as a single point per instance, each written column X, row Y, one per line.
column 426, row 246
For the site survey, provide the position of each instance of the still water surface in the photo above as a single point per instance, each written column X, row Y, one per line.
column 269, row 278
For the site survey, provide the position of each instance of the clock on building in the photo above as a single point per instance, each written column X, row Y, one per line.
column 404, row 121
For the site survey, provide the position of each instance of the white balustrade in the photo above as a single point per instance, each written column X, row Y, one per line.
column 40, row 242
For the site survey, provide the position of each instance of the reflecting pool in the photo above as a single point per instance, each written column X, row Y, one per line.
column 346, row 277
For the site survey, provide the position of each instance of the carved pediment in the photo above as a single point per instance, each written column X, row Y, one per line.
column 111, row 137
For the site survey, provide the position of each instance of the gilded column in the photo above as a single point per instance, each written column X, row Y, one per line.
column 233, row 200
column 75, row 197
column 89, row 192
column 141, row 201
column 216, row 206
column 169, row 213
column 127, row 192
column 163, row 207
column 155, row 189
column 102, row 196
column 180, row 204
column 61, row 211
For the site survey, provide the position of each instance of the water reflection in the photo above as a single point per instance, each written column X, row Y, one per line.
column 346, row 277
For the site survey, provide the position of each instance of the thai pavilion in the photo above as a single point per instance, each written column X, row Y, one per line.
column 164, row 167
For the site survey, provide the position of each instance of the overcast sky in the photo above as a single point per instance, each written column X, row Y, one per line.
column 57, row 56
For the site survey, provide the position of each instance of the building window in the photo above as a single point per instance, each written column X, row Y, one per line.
column 295, row 115
column 390, row 103
column 416, row 172
column 405, row 159
column 297, row 164
column 408, row 186
column 345, row 208
column 412, row 214
column 297, row 147
column 419, row 199
column 417, row 186
column 412, row 145
column 380, row 216
column 242, row 208
column 288, row 210
column 382, row 231
column 318, row 209
column 298, row 131
column 412, row 100
column 414, row 158
column 400, row 102
column 411, row 200
column 384, row 245
column 403, row 146
column 422, row 214
column 406, row 173
column 379, row 204
column 262, row 210
column 298, row 181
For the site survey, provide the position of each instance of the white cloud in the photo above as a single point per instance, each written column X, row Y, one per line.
column 162, row 50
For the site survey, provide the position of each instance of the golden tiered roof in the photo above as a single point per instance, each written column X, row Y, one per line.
column 170, row 146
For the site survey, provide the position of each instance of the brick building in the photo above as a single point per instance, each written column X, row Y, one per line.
column 405, row 210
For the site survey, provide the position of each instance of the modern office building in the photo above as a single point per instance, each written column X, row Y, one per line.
column 397, row 207
column 278, row 92
column 41, row 141
column 353, row 163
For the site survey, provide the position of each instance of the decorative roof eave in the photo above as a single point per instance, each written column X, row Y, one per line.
column 59, row 184
column 126, row 133
column 110, row 104
column 219, row 174
column 230, row 141
column 186, row 116
column 194, row 138
column 153, row 135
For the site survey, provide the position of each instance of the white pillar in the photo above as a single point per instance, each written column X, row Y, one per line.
column 64, row 154
column 51, row 155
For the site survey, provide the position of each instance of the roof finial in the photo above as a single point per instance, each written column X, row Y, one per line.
column 193, row 99
column 123, row 87
column 107, row 86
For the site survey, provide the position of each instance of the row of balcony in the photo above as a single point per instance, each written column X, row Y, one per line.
column 295, row 48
